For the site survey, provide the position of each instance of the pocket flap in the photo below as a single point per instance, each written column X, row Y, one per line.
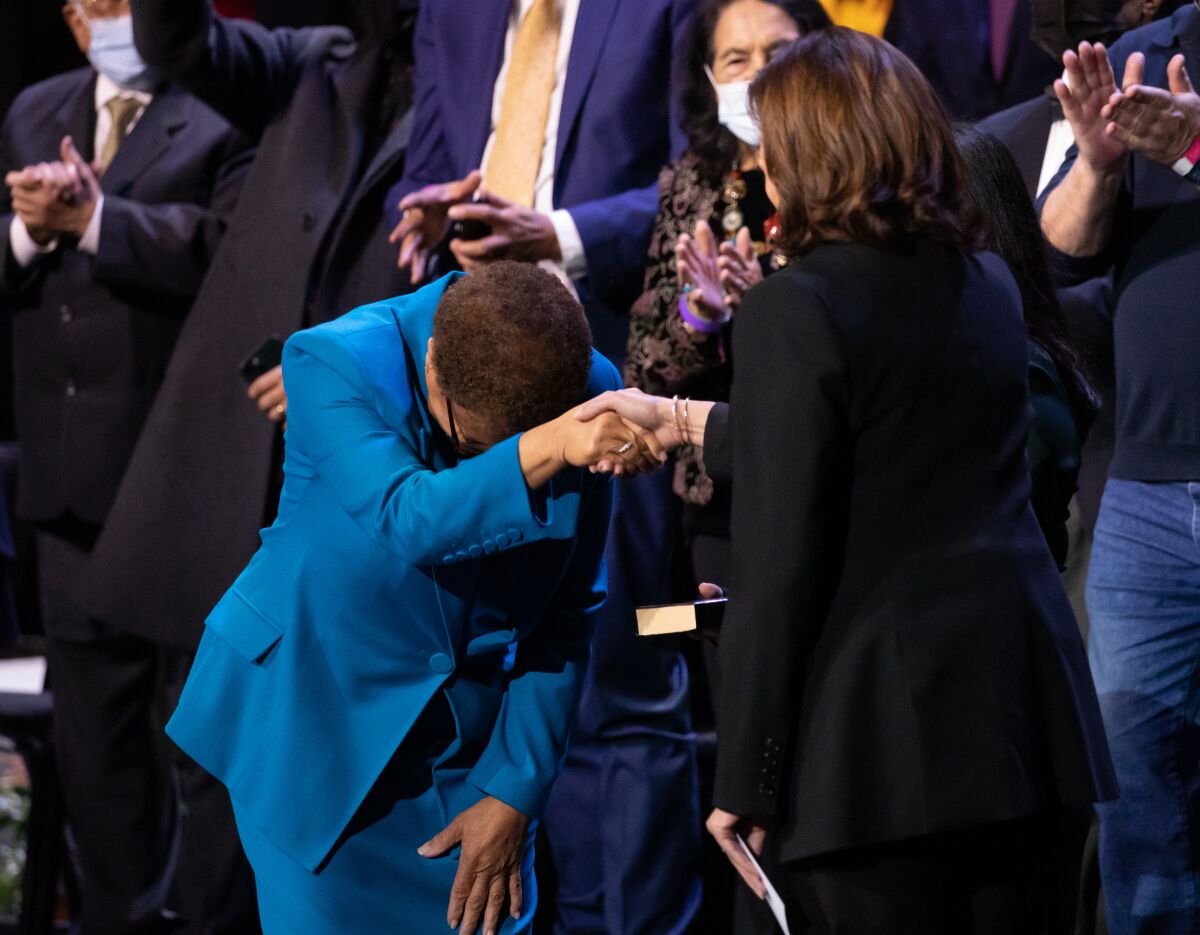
column 240, row 624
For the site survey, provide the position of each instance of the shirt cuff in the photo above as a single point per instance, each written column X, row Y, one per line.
column 25, row 249
column 570, row 244
column 90, row 241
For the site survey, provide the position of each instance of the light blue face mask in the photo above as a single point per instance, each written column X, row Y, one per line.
column 113, row 54
column 733, row 110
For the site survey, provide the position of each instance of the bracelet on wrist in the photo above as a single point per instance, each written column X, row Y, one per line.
column 1188, row 165
column 694, row 318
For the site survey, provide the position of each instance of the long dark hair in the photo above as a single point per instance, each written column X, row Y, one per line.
column 713, row 146
column 995, row 185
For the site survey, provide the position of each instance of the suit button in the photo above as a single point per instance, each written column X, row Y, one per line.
column 489, row 546
column 65, row 314
column 475, row 551
column 463, row 555
column 515, row 535
column 503, row 541
column 441, row 664
column 448, row 558
column 72, row 390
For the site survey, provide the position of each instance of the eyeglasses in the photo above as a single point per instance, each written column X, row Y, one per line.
column 463, row 449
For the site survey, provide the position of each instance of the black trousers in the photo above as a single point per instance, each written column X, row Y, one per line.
column 1011, row 878
column 153, row 834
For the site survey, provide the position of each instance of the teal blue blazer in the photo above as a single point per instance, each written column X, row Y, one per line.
column 390, row 567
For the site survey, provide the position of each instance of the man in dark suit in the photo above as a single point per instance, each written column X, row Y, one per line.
column 557, row 116
column 1035, row 130
column 117, row 193
column 977, row 54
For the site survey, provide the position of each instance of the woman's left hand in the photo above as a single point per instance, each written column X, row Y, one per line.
column 493, row 838
column 725, row 827
column 739, row 268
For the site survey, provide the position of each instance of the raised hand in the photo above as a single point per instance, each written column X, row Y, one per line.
column 517, row 233
column 1160, row 124
column 425, row 221
column 1089, row 88
column 739, row 268
column 494, row 837
column 696, row 263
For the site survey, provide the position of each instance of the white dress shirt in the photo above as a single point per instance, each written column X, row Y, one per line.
column 1061, row 138
column 24, row 248
column 573, row 264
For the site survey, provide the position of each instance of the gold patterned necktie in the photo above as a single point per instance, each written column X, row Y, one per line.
column 124, row 111
column 516, row 155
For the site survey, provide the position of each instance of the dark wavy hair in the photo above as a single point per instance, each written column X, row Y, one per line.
column 714, row 147
column 512, row 345
column 859, row 147
column 997, row 190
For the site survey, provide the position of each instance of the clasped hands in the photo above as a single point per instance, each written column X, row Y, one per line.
column 54, row 199
column 515, row 232
column 1110, row 122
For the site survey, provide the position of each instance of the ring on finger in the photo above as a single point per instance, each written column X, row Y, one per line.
column 278, row 410
column 624, row 448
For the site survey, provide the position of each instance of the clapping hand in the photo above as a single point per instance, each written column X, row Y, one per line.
column 739, row 268
column 1162, row 125
column 426, row 221
column 696, row 262
column 1090, row 88
column 55, row 198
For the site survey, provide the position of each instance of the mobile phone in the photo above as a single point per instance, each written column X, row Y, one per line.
column 268, row 356
column 469, row 230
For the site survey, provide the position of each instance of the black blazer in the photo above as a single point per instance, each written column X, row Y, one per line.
column 93, row 335
column 307, row 244
column 899, row 656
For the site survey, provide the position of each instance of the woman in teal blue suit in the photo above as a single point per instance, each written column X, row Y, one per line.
column 399, row 665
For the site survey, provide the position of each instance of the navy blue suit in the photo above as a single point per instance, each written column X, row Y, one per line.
column 949, row 41
column 623, row 820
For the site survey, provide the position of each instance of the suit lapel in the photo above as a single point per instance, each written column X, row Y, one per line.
column 591, row 32
column 165, row 116
column 1189, row 43
column 76, row 118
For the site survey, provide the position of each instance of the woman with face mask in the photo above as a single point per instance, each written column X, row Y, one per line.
column 710, row 243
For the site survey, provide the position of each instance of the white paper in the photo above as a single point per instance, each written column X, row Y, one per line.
column 773, row 898
column 24, row 676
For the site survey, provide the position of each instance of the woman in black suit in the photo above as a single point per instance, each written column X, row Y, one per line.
column 906, row 706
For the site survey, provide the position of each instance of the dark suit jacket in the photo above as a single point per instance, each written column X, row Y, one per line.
column 1025, row 130
column 308, row 243
column 93, row 335
column 898, row 627
column 949, row 41
column 618, row 127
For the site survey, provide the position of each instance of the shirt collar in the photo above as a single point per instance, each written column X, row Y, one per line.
column 108, row 90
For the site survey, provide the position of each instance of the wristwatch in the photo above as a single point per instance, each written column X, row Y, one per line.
column 1189, row 164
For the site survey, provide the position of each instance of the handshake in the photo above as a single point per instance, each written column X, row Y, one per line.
column 623, row 432
column 55, row 199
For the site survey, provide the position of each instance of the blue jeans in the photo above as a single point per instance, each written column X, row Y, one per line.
column 1143, row 597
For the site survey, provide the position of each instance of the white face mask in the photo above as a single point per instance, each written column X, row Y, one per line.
column 113, row 54
column 733, row 109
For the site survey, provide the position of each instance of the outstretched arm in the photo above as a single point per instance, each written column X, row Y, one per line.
column 242, row 70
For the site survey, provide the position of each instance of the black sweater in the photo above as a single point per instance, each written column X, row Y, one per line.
column 1155, row 249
